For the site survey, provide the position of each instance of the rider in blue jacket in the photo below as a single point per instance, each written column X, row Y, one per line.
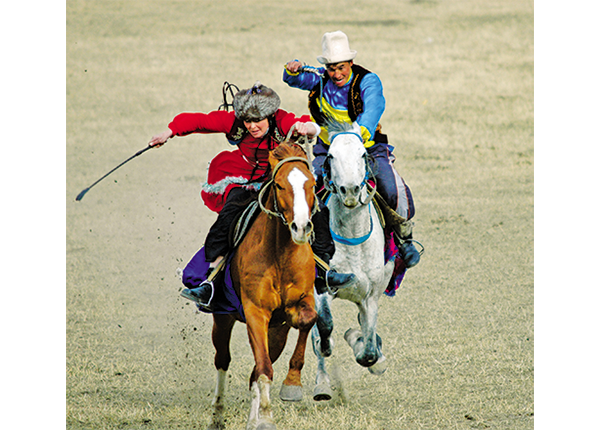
column 346, row 92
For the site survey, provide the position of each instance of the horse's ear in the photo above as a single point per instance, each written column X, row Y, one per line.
column 327, row 166
column 272, row 160
column 326, row 169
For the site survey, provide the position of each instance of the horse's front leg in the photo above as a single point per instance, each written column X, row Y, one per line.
column 322, row 346
column 261, row 416
column 324, row 325
column 366, row 343
column 302, row 316
column 291, row 389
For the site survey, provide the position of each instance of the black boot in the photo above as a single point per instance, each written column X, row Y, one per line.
column 330, row 281
column 202, row 295
column 407, row 249
column 409, row 253
column 336, row 281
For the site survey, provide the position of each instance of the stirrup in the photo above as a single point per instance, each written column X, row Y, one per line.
column 193, row 295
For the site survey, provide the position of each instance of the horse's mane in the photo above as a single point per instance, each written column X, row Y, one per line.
column 335, row 127
column 286, row 150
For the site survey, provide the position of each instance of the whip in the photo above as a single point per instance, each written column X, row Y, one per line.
column 85, row 190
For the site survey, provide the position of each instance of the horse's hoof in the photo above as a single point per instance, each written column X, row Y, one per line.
column 352, row 336
column 266, row 426
column 326, row 347
column 290, row 393
column 216, row 426
column 322, row 392
column 380, row 367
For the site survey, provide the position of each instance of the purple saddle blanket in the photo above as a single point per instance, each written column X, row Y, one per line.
column 392, row 251
column 225, row 299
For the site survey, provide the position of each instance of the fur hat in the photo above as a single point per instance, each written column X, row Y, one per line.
column 336, row 48
column 256, row 103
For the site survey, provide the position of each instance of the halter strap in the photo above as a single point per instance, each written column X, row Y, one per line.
column 351, row 241
column 263, row 190
column 347, row 132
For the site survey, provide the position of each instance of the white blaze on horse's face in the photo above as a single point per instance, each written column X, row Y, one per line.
column 348, row 168
column 301, row 227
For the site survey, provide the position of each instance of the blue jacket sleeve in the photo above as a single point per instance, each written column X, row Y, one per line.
column 303, row 81
column 371, row 91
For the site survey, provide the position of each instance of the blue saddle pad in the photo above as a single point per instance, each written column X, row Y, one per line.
column 225, row 299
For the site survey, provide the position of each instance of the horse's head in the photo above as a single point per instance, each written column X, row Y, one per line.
column 346, row 167
column 293, row 189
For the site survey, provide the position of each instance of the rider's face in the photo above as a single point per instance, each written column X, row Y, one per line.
column 339, row 73
column 257, row 129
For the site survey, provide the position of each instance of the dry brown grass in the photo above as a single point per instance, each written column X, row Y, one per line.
column 458, row 79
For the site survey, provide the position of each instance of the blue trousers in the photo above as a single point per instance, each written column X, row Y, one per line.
column 389, row 183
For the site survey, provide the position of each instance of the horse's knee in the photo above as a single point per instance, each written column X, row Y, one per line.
column 305, row 316
column 221, row 334
column 222, row 361
column 324, row 328
column 325, row 323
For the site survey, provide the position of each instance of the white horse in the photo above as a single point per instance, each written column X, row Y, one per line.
column 359, row 238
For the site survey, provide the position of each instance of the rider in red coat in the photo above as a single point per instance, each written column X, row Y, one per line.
column 247, row 165
column 256, row 127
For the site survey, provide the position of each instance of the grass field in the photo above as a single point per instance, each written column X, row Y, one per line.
column 459, row 335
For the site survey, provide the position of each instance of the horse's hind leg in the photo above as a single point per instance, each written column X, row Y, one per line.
column 322, row 346
column 221, row 333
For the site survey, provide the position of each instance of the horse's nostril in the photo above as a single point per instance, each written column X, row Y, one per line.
column 294, row 227
column 356, row 189
column 309, row 227
column 343, row 190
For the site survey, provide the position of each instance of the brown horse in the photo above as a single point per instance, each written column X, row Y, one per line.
column 273, row 271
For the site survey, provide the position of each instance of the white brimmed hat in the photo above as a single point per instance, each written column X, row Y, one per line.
column 336, row 48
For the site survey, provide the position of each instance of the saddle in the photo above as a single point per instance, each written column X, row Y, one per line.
column 388, row 216
column 242, row 223
column 225, row 300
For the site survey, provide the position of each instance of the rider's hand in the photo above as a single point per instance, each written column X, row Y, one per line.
column 293, row 66
column 309, row 129
column 160, row 139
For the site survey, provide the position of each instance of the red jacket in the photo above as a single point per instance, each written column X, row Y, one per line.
column 235, row 168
